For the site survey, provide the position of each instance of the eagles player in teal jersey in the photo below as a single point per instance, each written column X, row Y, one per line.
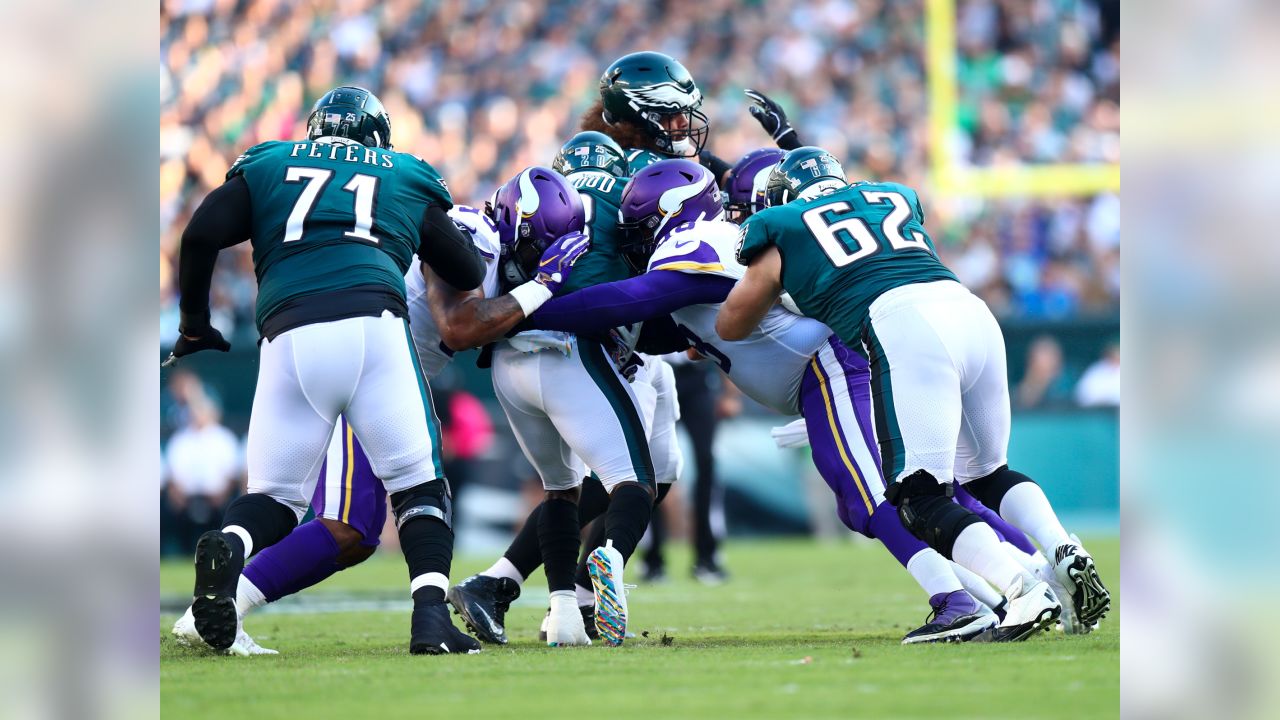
column 334, row 220
column 857, row 257
column 650, row 104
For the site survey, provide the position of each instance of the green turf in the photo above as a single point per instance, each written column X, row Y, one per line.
column 802, row 630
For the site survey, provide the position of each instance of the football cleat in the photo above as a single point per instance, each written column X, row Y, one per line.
column 605, row 565
column 1029, row 608
column 482, row 603
column 1067, row 620
column 432, row 633
column 564, row 624
column 588, row 613
column 213, row 607
column 956, row 617
column 1082, row 588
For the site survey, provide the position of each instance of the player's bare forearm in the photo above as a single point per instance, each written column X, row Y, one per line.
column 469, row 319
column 752, row 297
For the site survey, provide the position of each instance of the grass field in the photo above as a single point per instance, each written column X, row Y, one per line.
column 803, row 630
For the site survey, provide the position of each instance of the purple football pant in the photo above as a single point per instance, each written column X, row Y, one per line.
column 347, row 491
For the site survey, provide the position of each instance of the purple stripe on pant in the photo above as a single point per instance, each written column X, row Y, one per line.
column 1004, row 530
column 366, row 511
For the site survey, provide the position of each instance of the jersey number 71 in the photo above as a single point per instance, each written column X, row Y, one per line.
column 838, row 235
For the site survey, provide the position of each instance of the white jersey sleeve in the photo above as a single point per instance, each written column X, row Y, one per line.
column 432, row 351
column 705, row 246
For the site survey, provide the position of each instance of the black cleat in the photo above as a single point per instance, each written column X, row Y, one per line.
column 432, row 633
column 710, row 573
column 588, row 619
column 213, row 603
column 482, row 603
column 956, row 617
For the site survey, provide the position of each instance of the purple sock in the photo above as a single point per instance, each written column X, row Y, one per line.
column 888, row 529
column 303, row 558
column 1004, row 530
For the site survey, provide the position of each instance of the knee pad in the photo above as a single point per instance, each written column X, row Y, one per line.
column 928, row 512
column 990, row 490
column 429, row 500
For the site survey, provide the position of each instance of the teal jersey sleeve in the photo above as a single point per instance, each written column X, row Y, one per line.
column 753, row 238
column 639, row 159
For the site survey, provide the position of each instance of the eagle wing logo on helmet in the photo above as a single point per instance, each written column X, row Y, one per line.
column 667, row 95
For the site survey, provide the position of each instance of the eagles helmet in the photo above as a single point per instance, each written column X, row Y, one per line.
column 744, row 187
column 533, row 210
column 591, row 150
column 353, row 113
column 659, row 198
column 804, row 173
column 643, row 88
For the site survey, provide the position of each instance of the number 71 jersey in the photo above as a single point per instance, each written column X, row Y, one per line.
column 331, row 216
column 842, row 250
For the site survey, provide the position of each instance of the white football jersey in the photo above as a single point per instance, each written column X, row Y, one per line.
column 770, row 363
column 432, row 352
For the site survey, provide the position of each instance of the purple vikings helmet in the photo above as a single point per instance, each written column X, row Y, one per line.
column 533, row 210
column 660, row 198
column 744, row 188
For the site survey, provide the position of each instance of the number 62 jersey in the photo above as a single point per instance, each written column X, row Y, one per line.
column 842, row 250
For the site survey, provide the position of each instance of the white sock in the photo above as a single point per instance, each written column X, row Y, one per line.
column 976, row 586
column 933, row 572
column 248, row 596
column 1026, row 507
column 978, row 549
column 585, row 597
column 244, row 538
column 504, row 569
column 1027, row 561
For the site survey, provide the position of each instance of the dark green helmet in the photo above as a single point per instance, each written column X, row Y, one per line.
column 353, row 113
column 592, row 151
column 804, row 172
column 657, row 94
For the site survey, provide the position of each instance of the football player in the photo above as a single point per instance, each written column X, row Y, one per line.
column 335, row 220
column 673, row 223
column 349, row 500
column 857, row 257
column 594, row 164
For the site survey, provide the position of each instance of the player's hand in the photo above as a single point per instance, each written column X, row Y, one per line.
column 558, row 259
column 770, row 115
column 193, row 341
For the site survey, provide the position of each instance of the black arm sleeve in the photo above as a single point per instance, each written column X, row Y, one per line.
column 449, row 251
column 790, row 141
column 717, row 166
column 222, row 220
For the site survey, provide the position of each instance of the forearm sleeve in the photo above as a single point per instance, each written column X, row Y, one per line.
column 654, row 294
column 222, row 220
column 448, row 251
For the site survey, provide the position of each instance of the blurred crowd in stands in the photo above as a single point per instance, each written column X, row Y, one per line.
column 483, row 89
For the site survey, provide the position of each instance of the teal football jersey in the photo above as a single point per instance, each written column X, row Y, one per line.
column 639, row 159
column 333, row 216
column 843, row 250
column 601, row 197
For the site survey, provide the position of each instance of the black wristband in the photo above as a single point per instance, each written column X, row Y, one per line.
column 717, row 166
column 789, row 141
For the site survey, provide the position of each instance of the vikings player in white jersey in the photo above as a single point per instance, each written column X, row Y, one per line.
column 672, row 216
column 350, row 502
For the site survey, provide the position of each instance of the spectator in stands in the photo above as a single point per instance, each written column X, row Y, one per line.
column 1044, row 384
column 203, row 467
column 1100, row 384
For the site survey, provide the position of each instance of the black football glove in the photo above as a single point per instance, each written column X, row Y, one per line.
column 193, row 340
column 772, row 118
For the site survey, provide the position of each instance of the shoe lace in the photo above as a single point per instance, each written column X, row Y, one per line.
column 936, row 612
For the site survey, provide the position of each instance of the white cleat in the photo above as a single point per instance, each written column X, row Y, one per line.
column 1029, row 608
column 605, row 565
column 563, row 625
column 1069, row 624
column 184, row 633
column 1082, row 589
